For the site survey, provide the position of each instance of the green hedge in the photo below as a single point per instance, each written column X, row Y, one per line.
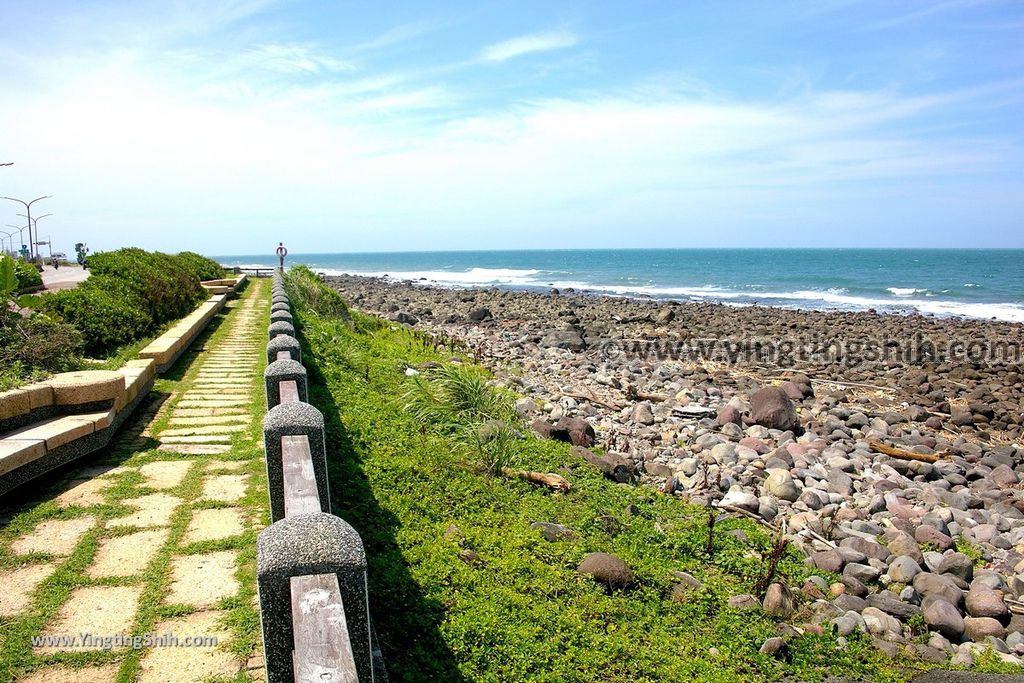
column 165, row 287
column 204, row 268
column 130, row 294
column 27, row 275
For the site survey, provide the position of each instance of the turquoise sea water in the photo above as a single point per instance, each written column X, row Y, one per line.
column 982, row 283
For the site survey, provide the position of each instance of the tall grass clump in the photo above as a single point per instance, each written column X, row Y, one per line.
column 309, row 294
column 456, row 399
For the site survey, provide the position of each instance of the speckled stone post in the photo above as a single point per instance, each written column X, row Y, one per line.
column 284, row 342
column 280, row 307
column 278, row 290
column 280, row 328
column 281, row 371
column 317, row 543
column 279, row 299
column 282, row 316
column 294, row 419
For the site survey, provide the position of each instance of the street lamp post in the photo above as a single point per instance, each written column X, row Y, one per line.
column 21, row 231
column 35, row 228
column 28, row 212
column 10, row 240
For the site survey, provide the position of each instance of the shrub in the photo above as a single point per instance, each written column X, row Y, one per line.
column 166, row 288
column 202, row 267
column 104, row 310
column 38, row 343
column 27, row 275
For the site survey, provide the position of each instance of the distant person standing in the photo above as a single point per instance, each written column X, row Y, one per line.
column 281, row 253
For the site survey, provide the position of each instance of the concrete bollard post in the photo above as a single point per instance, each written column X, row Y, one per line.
column 280, row 371
column 294, row 419
column 317, row 543
column 279, row 299
column 280, row 307
column 281, row 328
column 284, row 342
column 281, row 316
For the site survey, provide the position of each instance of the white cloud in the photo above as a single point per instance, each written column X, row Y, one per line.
column 292, row 59
column 136, row 150
column 535, row 42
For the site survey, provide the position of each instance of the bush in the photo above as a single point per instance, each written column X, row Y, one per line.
column 202, row 267
column 166, row 288
column 38, row 343
column 27, row 275
column 106, row 313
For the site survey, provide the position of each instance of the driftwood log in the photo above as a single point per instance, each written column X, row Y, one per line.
column 892, row 452
column 552, row 481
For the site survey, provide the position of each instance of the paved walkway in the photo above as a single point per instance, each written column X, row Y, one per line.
column 65, row 277
column 158, row 537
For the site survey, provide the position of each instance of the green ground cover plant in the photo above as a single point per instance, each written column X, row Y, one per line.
column 462, row 588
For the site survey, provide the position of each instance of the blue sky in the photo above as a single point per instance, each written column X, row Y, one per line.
column 349, row 126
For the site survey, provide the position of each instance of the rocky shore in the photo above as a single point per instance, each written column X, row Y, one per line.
column 889, row 448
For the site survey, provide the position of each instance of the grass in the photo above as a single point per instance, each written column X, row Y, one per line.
column 129, row 450
column 517, row 610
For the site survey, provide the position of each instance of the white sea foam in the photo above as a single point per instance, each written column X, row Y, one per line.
column 903, row 299
column 471, row 277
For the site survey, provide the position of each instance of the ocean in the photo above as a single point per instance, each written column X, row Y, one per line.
column 976, row 283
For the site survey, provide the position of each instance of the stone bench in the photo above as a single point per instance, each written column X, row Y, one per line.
column 48, row 424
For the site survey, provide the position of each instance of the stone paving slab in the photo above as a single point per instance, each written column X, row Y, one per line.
column 164, row 474
column 100, row 610
column 226, row 488
column 202, row 580
column 18, row 585
column 210, row 420
column 187, row 665
column 153, row 510
column 215, row 524
column 203, row 429
column 55, row 537
column 84, row 492
column 126, row 555
column 214, row 403
column 200, row 412
column 194, row 448
column 232, row 465
column 106, row 673
column 208, row 438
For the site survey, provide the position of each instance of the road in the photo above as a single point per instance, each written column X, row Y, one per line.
column 65, row 277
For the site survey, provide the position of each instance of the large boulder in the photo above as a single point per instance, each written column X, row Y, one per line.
column 771, row 408
column 563, row 339
column 574, row 430
column 606, row 569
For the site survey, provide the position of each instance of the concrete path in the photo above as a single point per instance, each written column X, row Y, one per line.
column 65, row 277
column 159, row 537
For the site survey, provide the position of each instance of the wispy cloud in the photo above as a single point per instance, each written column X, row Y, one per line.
column 930, row 9
column 294, row 59
column 534, row 42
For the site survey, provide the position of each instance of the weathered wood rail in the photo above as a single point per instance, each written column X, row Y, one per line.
column 310, row 564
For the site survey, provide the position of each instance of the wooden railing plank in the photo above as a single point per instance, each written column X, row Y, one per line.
column 300, row 491
column 288, row 391
column 323, row 652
